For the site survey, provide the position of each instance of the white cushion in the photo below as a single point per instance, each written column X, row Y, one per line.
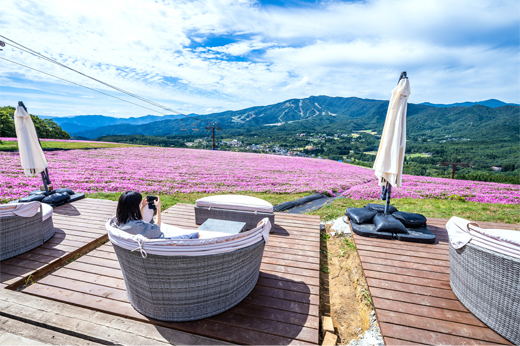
column 235, row 202
column 46, row 211
column 503, row 241
column 20, row 209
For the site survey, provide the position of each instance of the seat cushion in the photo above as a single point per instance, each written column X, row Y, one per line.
column 47, row 211
column 235, row 202
column 503, row 241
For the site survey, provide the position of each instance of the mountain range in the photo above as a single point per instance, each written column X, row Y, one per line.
column 492, row 119
column 79, row 123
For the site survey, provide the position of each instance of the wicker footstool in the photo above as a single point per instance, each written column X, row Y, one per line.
column 250, row 210
column 20, row 234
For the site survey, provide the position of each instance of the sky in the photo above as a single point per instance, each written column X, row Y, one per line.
column 205, row 56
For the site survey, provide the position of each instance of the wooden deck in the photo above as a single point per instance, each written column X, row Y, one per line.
column 78, row 230
column 282, row 309
column 411, row 293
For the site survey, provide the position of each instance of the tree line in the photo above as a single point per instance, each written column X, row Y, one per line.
column 45, row 128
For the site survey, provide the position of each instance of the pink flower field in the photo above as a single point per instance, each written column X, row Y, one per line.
column 168, row 170
column 14, row 139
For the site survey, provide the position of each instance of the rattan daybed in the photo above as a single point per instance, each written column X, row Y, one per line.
column 19, row 234
column 185, row 280
column 485, row 275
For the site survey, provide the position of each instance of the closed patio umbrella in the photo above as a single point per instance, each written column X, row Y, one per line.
column 388, row 165
column 29, row 147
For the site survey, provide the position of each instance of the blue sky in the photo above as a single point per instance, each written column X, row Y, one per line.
column 214, row 55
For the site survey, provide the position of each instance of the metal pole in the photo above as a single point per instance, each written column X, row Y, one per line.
column 388, row 192
column 213, row 138
column 453, row 171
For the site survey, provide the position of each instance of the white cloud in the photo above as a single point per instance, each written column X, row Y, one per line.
column 453, row 51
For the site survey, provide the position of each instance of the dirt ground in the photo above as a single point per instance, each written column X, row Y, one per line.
column 344, row 292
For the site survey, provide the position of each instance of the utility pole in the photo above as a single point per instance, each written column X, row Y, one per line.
column 455, row 164
column 213, row 126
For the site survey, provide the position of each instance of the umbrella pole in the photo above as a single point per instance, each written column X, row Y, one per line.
column 46, row 180
column 387, row 197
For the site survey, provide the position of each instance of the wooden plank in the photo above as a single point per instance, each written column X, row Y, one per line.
column 204, row 327
column 418, row 299
column 372, row 258
column 426, row 311
column 416, row 260
column 399, row 246
column 405, row 272
column 402, row 282
column 401, row 252
column 329, row 339
column 451, row 328
column 424, row 336
column 29, row 334
column 106, row 328
column 84, row 287
column 398, row 342
column 412, row 288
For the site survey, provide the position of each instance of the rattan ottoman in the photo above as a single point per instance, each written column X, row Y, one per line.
column 250, row 210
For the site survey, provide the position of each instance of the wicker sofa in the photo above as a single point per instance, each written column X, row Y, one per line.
column 186, row 280
column 19, row 234
column 487, row 282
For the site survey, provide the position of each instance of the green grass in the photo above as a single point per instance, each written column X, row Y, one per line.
column 435, row 208
column 169, row 200
column 13, row 146
column 417, row 155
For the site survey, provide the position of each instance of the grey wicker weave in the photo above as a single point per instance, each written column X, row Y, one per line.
column 21, row 234
column 488, row 284
column 187, row 288
column 251, row 218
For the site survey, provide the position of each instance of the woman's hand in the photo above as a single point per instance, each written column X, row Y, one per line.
column 157, row 204
column 143, row 203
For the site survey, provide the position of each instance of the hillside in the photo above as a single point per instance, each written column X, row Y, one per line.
column 331, row 114
column 45, row 128
column 492, row 103
column 80, row 123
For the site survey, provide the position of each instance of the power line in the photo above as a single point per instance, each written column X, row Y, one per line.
column 66, row 80
column 21, row 47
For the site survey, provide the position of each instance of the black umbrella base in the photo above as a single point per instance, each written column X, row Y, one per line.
column 415, row 235
column 54, row 199
column 370, row 221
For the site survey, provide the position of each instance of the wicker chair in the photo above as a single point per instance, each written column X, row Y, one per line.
column 487, row 283
column 21, row 234
column 484, row 279
column 189, row 285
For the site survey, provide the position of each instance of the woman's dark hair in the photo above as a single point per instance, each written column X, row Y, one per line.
column 128, row 207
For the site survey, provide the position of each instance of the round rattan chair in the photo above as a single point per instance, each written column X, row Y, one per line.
column 488, row 284
column 189, row 280
column 20, row 234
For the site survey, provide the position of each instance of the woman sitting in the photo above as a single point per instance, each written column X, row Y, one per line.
column 129, row 216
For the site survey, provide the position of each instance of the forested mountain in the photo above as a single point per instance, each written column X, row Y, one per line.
column 323, row 113
column 79, row 123
column 492, row 103
column 45, row 128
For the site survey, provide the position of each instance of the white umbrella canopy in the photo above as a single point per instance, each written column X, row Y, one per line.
column 388, row 165
column 31, row 153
